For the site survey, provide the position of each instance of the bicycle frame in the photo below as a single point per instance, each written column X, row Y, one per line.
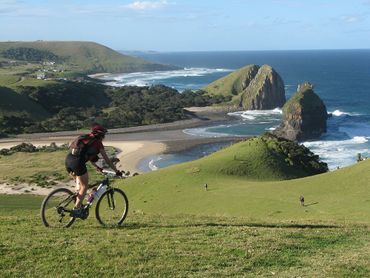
column 61, row 208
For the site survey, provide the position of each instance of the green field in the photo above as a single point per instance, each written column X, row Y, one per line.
column 239, row 226
column 153, row 244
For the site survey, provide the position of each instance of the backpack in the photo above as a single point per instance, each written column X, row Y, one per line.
column 79, row 146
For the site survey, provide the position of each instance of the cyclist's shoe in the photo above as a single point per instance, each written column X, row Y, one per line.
column 81, row 212
column 77, row 212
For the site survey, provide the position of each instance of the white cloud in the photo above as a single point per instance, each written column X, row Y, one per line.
column 351, row 18
column 147, row 5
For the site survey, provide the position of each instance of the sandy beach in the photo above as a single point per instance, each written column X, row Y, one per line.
column 132, row 152
column 135, row 143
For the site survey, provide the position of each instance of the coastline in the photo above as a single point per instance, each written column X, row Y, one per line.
column 99, row 74
column 137, row 143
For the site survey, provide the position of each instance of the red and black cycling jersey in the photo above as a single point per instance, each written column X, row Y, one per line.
column 93, row 147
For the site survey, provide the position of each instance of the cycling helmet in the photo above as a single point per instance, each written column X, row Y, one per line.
column 98, row 130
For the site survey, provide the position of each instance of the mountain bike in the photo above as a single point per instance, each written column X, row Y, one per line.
column 111, row 205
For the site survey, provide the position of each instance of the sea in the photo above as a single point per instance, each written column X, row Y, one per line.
column 341, row 78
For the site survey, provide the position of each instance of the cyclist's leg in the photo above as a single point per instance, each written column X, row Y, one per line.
column 83, row 183
column 76, row 166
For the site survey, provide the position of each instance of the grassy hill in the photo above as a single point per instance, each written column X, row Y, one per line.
column 240, row 226
column 339, row 196
column 87, row 57
column 252, row 187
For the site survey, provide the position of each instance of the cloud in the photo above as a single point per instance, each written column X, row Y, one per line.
column 351, row 18
column 147, row 5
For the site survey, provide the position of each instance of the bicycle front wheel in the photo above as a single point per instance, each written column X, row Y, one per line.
column 56, row 208
column 112, row 208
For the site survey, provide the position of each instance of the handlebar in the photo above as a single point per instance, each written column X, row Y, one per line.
column 113, row 174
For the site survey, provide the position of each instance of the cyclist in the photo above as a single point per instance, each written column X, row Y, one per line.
column 76, row 163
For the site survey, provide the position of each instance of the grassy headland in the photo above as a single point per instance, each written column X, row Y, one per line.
column 242, row 225
column 74, row 56
column 242, row 180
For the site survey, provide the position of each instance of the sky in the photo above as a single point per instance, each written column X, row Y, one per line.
column 192, row 25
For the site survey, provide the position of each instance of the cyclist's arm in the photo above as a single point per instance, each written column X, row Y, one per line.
column 106, row 158
column 96, row 166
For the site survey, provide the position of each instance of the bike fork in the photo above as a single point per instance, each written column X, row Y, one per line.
column 111, row 202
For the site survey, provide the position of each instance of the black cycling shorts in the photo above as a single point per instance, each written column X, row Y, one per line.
column 75, row 164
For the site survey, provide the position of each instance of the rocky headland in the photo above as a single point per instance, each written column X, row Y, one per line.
column 251, row 88
column 304, row 115
column 265, row 91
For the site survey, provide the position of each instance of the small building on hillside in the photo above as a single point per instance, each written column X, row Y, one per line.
column 40, row 75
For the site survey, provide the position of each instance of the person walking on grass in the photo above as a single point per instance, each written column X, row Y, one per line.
column 83, row 149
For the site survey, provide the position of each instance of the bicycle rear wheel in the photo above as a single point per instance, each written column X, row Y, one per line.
column 112, row 208
column 56, row 208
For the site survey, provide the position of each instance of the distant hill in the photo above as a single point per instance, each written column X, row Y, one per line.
column 86, row 57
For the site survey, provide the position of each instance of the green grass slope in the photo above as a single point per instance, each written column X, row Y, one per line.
column 259, row 194
column 339, row 197
column 240, row 226
column 234, row 83
column 88, row 57
column 151, row 245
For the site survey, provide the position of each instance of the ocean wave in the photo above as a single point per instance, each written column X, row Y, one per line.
column 339, row 153
column 147, row 78
column 252, row 114
column 248, row 117
column 336, row 143
column 360, row 139
column 338, row 113
column 203, row 132
column 152, row 165
column 136, row 82
column 272, row 128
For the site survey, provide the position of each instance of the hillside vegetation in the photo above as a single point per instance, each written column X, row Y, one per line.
column 85, row 57
column 67, row 105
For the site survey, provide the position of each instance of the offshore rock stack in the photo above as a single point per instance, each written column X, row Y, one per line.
column 304, row 116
